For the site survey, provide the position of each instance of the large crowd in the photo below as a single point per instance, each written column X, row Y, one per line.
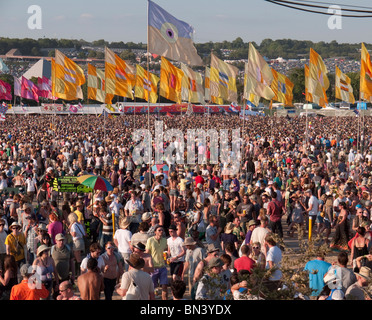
column 181, row 231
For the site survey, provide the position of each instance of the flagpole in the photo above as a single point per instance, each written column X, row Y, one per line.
column 148, row 95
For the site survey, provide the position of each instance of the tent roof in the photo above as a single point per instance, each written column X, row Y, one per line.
column 39, row 69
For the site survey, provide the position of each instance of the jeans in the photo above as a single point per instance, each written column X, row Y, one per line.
column 104, row 239
column 226, row 184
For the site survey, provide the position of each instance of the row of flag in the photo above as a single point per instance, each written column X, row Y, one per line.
column 171, row 39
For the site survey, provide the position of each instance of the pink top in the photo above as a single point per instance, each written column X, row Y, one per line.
column 54, row 228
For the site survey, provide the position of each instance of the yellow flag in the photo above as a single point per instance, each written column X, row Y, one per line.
column 192, row 85
column 96, row 85
column 318, row 83
column 146, row 85
column 258, row 76
column 207, row 88
column 67, row 78
column 310, row 82
column 343, row 88
column 120, row 76
column 170, row 81
column 223, row 80
column 365, row 75
column 282, row 88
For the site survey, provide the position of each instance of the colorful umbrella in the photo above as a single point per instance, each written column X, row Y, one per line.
column 156, row 168
column 95, row 182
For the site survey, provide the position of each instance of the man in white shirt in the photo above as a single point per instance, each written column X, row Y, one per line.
column 31, row 187
column 176, row 253
column 273, row 260
column 259, row 234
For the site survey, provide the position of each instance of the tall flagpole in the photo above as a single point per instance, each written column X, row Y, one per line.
column 148, row 95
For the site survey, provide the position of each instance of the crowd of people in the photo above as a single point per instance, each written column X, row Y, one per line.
column 182, row 230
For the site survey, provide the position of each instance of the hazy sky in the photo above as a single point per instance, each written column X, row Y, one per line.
column 213, row 20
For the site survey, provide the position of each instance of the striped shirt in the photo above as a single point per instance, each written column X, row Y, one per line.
column 107, row 229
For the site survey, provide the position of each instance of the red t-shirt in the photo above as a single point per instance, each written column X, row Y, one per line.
column 244, row 263
column 199, row 179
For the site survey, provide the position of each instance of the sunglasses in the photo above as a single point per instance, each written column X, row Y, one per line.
column 2, row 225
column 255, row 248
column 109, row 248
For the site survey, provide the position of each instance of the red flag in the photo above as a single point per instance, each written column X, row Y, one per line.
column 5, row 91
column 29, row 90
column 169, row 115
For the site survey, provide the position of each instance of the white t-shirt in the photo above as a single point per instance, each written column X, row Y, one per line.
column 259, row 235
column 274, row 254
column 175, row 246
column 30, row 185
column 315, row 202
column 123, row 236
column 84, row 263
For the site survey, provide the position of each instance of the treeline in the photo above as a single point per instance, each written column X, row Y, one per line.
column 238, row 49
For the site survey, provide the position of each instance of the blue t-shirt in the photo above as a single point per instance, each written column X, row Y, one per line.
column 317, row 269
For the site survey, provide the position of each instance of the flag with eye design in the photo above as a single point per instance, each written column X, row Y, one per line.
column 170, row 37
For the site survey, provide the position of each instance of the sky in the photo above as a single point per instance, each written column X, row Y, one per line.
column 213, row 20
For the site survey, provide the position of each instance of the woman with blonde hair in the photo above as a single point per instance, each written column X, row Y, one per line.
column 257, row 256
column 77, row 232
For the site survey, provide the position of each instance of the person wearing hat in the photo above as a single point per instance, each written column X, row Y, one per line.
column 31, row 234
column 194, row 255
column 176, row 253
column 211, row 279
column 64, row 259
column 25, row 291
column 142, row 280
column 357, row 291
column 139, row 248
column 229, row 237
column 79, row 211
column 122, row 240
column 45, row 268
column 251, row 225
column 15, row 243
column 141, row 235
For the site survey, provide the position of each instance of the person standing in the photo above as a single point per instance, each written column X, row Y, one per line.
column 15, row 244
column 155, row 246
column 112, row 271
column 176, row 253
column 64, row 259
column 357, row 290
column 273, row 262
column 141, row 279
column 317, row 268
column 28, row 290
column 122, row 240
column 90, row 283
column 244, row 262
column 259, row 234
column 313, row 206
column 194, row 255
column 275, row 212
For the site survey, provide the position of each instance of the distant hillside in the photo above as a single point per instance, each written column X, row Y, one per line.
column 233, row 50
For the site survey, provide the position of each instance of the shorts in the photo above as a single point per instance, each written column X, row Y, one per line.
column 319, row 219
column 159, row 276
column 78, row 245
column 173, row 192
column 176, row 268
column 327, row 224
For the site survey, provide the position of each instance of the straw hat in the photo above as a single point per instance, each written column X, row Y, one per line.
column 229, row 227
column 189, row 241
column 125, row 222
column 146, row 216
column 198, row 206
column 364, row 272
column 14, row 224
column 42, row 227
column 212, row 248
column 41, row 249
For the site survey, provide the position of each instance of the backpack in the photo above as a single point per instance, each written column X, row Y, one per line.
column 133, row 292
